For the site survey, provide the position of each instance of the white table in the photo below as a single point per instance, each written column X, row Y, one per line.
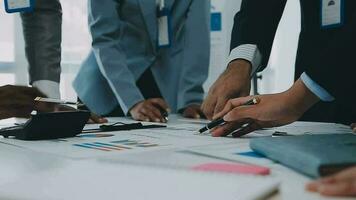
column 17, row 163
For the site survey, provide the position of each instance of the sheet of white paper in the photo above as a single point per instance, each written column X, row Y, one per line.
column 88, row 180
column 302, row 128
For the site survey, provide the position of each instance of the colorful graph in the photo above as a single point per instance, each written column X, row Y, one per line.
column 120, row 145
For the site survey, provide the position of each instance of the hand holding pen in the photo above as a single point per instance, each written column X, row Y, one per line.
column 219, row 120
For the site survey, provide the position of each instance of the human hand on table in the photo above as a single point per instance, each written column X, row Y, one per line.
column 150, row 110
column 94, row 118
column 193, row 111
column 18, row 101
column 340, row 184
column 272, row 110
column 234, row 82
column 353, row 126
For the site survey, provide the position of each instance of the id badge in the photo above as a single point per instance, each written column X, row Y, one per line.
column 332, row 13
column 12, row 6
column 164, row 28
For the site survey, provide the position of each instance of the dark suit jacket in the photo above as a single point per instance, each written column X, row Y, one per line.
column 326, row 55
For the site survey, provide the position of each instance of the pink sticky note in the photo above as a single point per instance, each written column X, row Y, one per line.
column 233, row 168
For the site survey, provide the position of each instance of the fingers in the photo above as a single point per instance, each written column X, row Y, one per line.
column 220, row 104
column 193, row 112
column 152, row 113
column 251, row 126
column 96, row 119
column 231, row 104
column 342, row 188
column 226, row 129
column 140, row 117
column 340, row 184
column 344, row 175
column 208, row 106
column 353, row 127
column 238, row 114
column 160, row 103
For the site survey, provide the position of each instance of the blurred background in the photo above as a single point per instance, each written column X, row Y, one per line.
column 76, row 44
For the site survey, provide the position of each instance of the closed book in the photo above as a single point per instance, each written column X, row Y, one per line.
column 313, row 155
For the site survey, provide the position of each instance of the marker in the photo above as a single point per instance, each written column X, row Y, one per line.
column 221, row 121
column 56, row 101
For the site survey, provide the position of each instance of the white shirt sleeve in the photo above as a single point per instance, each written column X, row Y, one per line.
column 247, row 52
column 316, row 88
column 48, row 88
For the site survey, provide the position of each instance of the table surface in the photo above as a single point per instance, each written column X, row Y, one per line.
column 17, row 163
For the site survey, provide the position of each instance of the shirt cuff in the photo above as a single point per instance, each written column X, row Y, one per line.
column 316, row 88
column 48, row 88
column 247, row 52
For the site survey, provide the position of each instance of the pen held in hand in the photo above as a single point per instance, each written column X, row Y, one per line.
column 56, row 101
column 221, row 121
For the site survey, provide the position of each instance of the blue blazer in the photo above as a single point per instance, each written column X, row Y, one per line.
column 124, row 35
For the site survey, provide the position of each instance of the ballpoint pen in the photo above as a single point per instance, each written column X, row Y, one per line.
column 56, row 101
column 221, row 121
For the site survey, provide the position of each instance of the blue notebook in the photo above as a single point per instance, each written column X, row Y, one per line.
column 313, row 155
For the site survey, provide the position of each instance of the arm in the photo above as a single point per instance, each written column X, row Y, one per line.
column 42, row 34
column 106, row 27
column 252, row 38
column 196, row 54
column 254, row 30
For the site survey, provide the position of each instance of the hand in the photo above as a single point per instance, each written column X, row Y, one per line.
column 94, row 119
column 234, row 82
column 272, row 110
column 150, row 110
column 193, row 111
column 353, row 126
column 18, row 101
column 340, row 184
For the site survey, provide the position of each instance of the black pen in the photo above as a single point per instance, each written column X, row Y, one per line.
column 164, row 113
column 221, row 121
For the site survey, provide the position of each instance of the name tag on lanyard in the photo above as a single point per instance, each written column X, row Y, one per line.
column 12, row 6
column 164, row 35
column 332, row 13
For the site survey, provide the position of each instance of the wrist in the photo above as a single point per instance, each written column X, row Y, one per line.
column 241, row 65
column 240, row 69
column 300, row 98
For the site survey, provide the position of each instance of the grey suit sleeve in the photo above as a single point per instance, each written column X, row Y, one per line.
column 196, row 54
column 42, row 34
column 106, row 27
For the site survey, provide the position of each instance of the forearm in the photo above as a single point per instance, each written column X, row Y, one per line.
column 299, row 98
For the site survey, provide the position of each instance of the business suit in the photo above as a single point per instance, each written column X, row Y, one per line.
column 326, row 55
column 43, row 36
column 124, row 46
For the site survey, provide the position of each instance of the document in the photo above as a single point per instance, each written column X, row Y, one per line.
column 92, row 181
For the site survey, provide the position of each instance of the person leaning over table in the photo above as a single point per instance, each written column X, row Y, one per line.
column 252, row 38
column 129, row 73
column 328, row 76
